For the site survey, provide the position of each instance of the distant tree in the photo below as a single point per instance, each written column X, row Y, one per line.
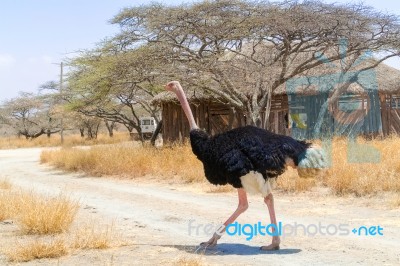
column 110, row 125
column 30, row 115
column 91, row 125
column 115, row 85
column 243, row 51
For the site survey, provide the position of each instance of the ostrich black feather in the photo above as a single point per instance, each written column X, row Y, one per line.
column 230, row 155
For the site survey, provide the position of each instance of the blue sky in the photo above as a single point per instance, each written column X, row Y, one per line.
column 37, row 34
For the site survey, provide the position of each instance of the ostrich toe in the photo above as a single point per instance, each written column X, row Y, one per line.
column 212, row 242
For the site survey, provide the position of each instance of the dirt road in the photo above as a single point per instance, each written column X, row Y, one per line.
column 163, row 223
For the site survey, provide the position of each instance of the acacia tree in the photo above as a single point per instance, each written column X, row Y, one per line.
column 244, row 51
column 30, row 115
column 110, row 125
column 115, row 85
column 89, row 123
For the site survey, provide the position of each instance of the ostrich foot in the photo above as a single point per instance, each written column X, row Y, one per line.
column 270, row 247
column 212, row 242
column 273, row 246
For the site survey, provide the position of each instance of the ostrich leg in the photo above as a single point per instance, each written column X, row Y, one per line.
column 269, row 200
column 242, row 207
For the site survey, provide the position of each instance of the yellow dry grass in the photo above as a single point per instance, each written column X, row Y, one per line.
column 348, row 174
column 37, row 249
column 395, row 202
column 44, row 215
column 5, row 184
column 37, row 214
column 220, row 189
column 291, row 182
column 69, row 140
column 88, row 236
column 367, row 168
column 169, row 162
column 20, row 206
column 7, row 209
column 186, row 261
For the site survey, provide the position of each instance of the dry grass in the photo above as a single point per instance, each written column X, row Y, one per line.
column 185, row 261
column 38, row 249
column 43, row 215
column 69, row 140
column 176, row 161
column 291, row 182
column 351, row 173
column 7, row 209
column 37, row 214
column 360, row 179
column 344, row 177
column 395, row 202
column 5, row 184
column 220, row 189
column 88, row 236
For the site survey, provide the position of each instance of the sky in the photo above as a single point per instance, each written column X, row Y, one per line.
column 36, row 35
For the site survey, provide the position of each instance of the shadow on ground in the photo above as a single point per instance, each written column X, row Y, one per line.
column 231, row 249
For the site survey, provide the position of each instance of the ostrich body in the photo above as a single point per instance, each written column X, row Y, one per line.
column 246, row 158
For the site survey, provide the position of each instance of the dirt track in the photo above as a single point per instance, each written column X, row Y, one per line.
column 154, row 218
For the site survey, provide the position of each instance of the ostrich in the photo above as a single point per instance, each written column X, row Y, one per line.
column 246, row 158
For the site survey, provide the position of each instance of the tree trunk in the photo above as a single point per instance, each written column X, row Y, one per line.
column 267, row 113
column 110, row 127
column 89, row 132
column 96, row 131
column 253, row 117
column 156, row 132
column 82, row 131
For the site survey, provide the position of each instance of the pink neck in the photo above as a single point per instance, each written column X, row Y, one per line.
column 186, row 108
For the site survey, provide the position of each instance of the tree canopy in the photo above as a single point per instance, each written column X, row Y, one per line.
column 31, row 115
column 243, row 51
column 239, row 51
column 115, row 85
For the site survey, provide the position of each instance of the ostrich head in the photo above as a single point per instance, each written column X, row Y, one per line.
column 175, row 87
column 314, row 163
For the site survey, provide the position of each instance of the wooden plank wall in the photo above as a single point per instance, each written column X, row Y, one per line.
column 390, row 113
column 382, row 114
column 216, row 118
column 175, row 125
column 278, row 117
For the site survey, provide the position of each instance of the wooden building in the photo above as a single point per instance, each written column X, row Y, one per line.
column 367, row 109
column 215, row 117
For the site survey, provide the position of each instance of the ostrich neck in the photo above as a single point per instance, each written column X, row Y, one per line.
column 186, row 108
